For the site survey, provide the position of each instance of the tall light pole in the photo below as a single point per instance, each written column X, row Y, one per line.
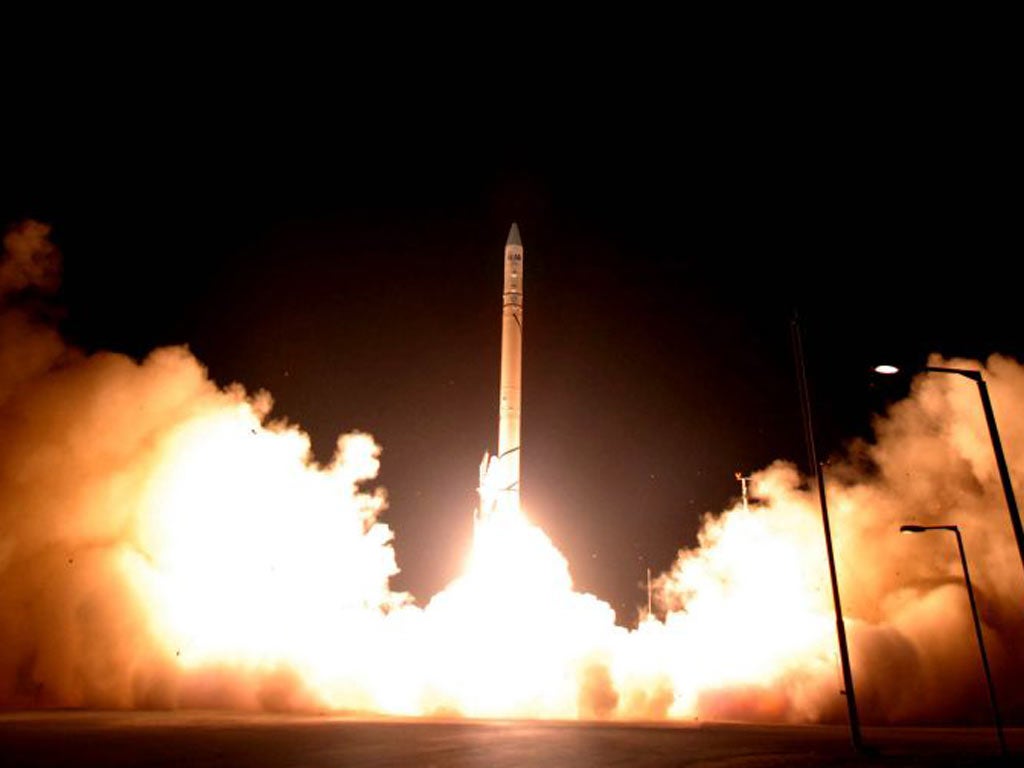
column 997, row 445
column 816, row 467
column 974, row 615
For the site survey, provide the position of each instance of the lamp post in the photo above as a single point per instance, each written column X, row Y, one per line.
column 974, row 615
column 816, row 467
column 997, row 445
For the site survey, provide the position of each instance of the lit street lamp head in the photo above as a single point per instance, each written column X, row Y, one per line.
column 889, row 370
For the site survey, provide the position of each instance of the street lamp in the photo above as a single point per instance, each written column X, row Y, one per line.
column 816, row 468
column 974, row 615
column 993, row 432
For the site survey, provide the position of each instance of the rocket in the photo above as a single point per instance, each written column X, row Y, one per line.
column 511, row 392
column 499, row 481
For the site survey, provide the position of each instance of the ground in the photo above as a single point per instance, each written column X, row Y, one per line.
column 205, row 740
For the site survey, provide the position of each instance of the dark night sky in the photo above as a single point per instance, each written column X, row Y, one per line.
column 344, row 251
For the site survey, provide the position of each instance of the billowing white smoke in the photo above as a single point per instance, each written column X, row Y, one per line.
column 164, row 542
column 161, row 541
column 753, row 601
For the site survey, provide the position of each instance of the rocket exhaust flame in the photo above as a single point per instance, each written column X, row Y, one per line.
column 165, row 543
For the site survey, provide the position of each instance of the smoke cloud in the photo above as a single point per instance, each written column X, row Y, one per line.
column 166, row 542
column 758, row 580
column 134, row 495
column 30, row 260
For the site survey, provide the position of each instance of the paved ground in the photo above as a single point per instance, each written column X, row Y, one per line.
column 216, row 739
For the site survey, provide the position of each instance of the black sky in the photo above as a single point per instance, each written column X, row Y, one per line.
column 343, row 248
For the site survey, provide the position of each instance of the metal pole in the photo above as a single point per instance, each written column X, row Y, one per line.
column 648, row 592
column 844, row 654
column 997, row 448
column 981, row 640
column 1004, row 471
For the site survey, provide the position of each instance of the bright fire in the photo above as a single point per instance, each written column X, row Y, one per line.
column 163, row 544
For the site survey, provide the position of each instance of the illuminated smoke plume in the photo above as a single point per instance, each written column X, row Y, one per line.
column 165, row 542
column 30, row 260
column 752, row 602
column 162, row 542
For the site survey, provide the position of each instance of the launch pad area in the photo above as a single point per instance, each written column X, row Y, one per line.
column 205, row 740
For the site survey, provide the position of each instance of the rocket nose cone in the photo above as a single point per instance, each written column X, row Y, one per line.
column 513, row 236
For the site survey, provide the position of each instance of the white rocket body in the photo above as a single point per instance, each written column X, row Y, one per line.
column 511, row 392
column 499, row 474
